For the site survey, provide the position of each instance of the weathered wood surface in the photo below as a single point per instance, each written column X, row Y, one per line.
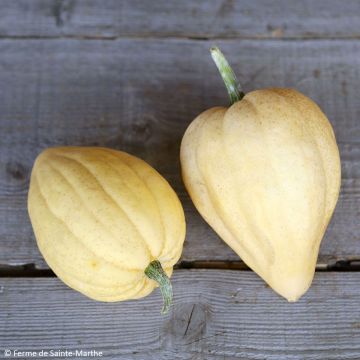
column 139, row 96
column 186, row 18
column 217, row 315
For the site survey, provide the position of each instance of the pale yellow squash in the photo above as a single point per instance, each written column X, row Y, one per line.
column 265, row 175
column 102, row 218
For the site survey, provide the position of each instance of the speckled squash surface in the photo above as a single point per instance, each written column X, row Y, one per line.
column 265, row 174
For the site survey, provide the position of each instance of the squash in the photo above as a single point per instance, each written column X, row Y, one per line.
column 106, row 222
column 265, row 174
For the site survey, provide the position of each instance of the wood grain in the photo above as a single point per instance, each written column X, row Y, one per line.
column 186, row 18
column 139, row 96
column 217, row 315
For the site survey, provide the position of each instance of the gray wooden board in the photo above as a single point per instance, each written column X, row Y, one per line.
column 186, row 18
column 139, row 96
column 217, row 315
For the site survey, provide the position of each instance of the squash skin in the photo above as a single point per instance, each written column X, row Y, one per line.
column 100, row 216
column 265, row 174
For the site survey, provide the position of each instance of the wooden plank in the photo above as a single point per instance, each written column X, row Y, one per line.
column 199, row 19
column 139, row 96
column 217, row 315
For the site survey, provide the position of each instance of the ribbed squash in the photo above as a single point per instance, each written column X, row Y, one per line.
column 265, row 174
column 106, row 222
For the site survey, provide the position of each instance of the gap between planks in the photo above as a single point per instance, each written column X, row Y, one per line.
column 170, row 37
column 30, row 270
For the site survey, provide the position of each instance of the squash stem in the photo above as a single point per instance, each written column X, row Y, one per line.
column 154, row 271
column 231, row 82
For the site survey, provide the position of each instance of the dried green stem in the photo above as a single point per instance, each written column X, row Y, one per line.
column 154, row 271
column 231, row 82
